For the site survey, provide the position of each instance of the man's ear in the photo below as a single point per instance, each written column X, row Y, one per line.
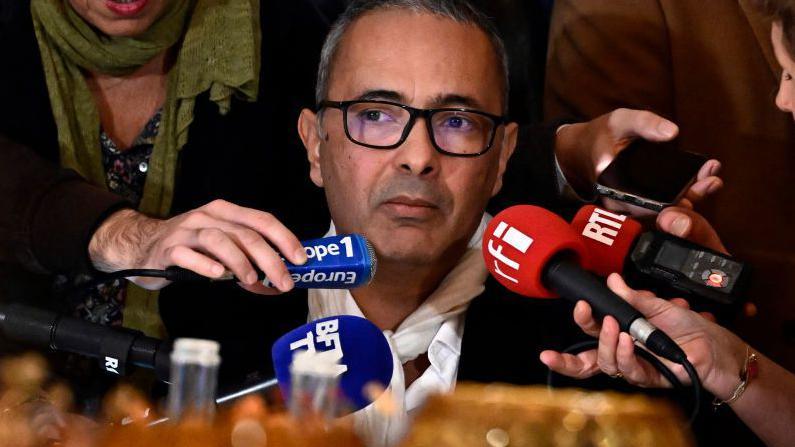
column 311, row 135
column 508, row 145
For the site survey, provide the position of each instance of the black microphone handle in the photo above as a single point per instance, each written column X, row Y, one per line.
column 116, row 348
column 572, row 282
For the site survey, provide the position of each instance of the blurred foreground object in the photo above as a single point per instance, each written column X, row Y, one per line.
column 247, row 424
column 503, row 415
column 35, row 412
column 194, row 378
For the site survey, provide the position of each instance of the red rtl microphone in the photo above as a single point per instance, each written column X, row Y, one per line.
column 608, row 236
column 535, row 253
column 616, row 243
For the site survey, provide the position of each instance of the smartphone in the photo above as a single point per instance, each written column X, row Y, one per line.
column 651, row 175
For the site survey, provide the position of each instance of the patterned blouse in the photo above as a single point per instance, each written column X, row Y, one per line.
column 125, row 174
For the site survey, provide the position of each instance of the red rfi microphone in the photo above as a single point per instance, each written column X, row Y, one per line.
column 535, row 253
column 519, row 240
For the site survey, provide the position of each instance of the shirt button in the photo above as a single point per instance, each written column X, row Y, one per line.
column 143, row 167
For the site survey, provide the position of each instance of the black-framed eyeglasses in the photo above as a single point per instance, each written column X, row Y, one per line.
column 386, row 125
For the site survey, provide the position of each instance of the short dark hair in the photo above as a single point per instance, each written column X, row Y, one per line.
column 783, row 12
column 460, row 11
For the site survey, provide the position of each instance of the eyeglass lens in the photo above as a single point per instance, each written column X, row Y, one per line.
column 382, row 125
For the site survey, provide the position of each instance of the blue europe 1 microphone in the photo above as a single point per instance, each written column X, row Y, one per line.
column 361, row 355
column 334, row 262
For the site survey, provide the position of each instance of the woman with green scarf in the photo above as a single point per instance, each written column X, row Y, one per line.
column 157, row 101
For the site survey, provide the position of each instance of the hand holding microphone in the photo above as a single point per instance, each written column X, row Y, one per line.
column 535, row 253
column 209, row 240
column 335, row 262
column 700, row 338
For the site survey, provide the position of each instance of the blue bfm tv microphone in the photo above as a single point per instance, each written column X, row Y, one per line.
column 334, row 262
column 361, row 352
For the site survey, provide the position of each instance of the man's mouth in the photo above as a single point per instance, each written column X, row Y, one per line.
column 412, row 201
column 410, row 207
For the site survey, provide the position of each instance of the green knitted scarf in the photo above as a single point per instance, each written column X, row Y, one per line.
column 217, row 50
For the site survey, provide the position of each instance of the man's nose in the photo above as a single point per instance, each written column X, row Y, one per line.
column 417, row 156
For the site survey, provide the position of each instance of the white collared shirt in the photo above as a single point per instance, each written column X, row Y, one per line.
column 444, row 352
column 436, row 327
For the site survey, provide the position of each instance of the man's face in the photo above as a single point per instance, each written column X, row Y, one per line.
column 415, row 204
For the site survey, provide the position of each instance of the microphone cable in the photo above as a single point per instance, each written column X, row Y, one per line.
column 173, row 273
column 657, row 364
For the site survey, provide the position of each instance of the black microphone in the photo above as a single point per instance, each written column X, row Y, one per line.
column 572, row 282
column 116, row 348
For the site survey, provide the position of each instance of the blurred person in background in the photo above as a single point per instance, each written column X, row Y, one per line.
column 756, row 388
column 710, row 68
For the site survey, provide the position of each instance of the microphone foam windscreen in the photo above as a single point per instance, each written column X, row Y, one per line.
column 359, row 346
column 345, row 261
column 520, row 241
column 608, row 237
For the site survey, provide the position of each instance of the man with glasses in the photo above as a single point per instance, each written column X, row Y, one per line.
column 410, row 142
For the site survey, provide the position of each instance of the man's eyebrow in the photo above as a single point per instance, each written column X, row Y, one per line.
column 439, row 101
column 380, row 95
column 455, row 100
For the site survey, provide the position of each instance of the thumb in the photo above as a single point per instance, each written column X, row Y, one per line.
column 628, row 123
column 648, row 306
column 688, row 224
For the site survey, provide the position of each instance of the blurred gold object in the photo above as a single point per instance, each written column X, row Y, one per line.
column 512, row 416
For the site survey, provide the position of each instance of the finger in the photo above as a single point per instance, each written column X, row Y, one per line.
column 616, row 283
column 583, row 316
column 675, row 221
column 259, row 289
column 680, row 302
column 263, row 255
column 219, row 244
column 708, row 316
column 684, row 202
column 709, row 169
column 703, row 188
column 190, row 259
column 648, row 305
column 264, row 223
column 644, row 294
column 608, row 340
column 690, row 225
column 627, row 123
column 633, row 369
column 580, row 366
